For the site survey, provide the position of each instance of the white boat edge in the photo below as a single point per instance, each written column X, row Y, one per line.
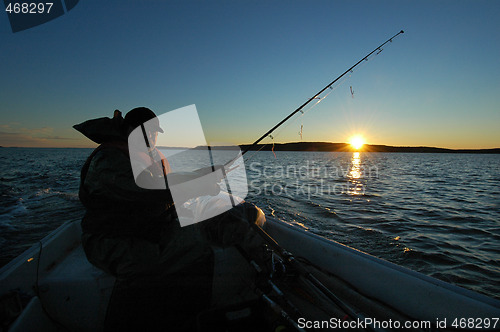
column 394, row 285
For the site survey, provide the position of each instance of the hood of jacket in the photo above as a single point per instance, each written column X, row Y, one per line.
column 104, row 129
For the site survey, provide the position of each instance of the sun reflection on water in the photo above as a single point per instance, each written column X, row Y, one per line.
column 355, row 172
column 355, row 175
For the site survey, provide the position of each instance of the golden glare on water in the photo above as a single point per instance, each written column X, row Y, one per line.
column 357, row 141
column 355, row 176
column 355, row 172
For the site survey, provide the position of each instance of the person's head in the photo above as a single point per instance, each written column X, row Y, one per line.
column 140, row 115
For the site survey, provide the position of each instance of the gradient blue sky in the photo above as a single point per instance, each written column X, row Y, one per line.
column 248, row 64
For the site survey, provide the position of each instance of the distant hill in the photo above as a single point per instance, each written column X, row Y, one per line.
column 345, row 147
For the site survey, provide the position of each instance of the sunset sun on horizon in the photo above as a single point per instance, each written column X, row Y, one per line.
column 357, row 141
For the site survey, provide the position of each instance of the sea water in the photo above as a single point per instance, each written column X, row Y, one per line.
column 438, row 214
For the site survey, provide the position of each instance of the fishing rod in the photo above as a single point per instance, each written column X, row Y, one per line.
column 297, row 266
column 379, row 48
column 276, row 307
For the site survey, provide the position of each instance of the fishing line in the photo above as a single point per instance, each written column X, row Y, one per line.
column 319, row 94
column 273, row 147
column 303, row 113
column 331, row 89
column 319, row 98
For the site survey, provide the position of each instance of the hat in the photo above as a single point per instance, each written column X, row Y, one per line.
column 139, row 115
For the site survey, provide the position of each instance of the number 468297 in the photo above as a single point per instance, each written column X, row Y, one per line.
column 29, row 8
column 475, row 323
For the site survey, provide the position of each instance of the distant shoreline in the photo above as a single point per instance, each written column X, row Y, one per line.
column 324, row 147
column 345, row 147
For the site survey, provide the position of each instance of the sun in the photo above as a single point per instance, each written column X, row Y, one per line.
column 357, row 141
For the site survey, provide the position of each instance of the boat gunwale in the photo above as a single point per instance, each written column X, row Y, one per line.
column 380, row 261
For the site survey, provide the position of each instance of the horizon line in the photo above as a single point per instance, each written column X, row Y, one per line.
column 261, row 144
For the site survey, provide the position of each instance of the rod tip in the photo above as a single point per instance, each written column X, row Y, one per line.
column 402, row 31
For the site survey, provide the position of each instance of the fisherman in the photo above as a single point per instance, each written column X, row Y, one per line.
column 163, row 271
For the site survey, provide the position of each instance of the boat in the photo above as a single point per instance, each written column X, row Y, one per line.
column 52, row 287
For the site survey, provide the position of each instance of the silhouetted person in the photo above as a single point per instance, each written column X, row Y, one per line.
column 163, row 271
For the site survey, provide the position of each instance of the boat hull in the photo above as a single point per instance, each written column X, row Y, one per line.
column 67, row 292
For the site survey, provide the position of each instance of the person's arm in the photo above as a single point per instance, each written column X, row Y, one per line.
column 116, row 181
column 175, row 178
column 110, row 175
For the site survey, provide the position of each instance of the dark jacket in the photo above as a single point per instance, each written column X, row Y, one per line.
column 115, row 205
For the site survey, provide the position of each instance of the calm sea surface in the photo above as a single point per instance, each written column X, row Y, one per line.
column 438, row 214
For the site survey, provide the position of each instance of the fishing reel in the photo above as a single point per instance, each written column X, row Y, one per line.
column 277, row 265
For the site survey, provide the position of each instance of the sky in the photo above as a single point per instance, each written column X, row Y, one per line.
column 246, row 65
